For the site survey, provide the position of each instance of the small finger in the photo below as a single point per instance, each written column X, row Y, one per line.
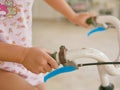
column 41, row 69
column 47, row 51
column 47, row 68
column 84, row 25
column 52, row 62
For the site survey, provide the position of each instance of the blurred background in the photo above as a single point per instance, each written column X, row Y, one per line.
column 51, row 30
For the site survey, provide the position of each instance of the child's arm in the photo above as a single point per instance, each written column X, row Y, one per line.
column 66, row 10
column 12, row 53
column 62, row 7
column 34, row 59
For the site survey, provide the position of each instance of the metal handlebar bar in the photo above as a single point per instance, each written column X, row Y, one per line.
column 105, row 65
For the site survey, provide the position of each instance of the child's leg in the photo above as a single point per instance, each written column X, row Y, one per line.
column 11, row 81
column 41, row 86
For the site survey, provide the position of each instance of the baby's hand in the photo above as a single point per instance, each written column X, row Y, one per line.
column 81, row 19
column 39, row 61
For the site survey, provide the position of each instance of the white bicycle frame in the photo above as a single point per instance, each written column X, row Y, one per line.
column 104, row 70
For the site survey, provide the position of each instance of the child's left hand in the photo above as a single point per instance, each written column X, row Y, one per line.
column 81, row 19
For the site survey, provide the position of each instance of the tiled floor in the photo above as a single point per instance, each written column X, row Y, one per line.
column 52, row 34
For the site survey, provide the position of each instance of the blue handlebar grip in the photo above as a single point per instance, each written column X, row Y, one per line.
column 61, row 70
column 97, row 29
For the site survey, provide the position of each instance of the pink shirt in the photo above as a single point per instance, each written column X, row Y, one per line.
column 15, row 28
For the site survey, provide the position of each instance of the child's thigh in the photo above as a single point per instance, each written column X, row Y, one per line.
column 10, row 81
column 41, row 86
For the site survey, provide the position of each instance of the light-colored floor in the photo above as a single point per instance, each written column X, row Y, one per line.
column 52, row 34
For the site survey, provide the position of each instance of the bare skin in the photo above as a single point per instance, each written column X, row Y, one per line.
column 34, row 59
column 63, row 7
column 11, row 81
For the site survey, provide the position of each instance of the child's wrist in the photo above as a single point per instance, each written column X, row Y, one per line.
column 73, row 18
column 24, row 54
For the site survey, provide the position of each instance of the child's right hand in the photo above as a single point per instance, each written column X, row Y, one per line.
column 38, row 61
